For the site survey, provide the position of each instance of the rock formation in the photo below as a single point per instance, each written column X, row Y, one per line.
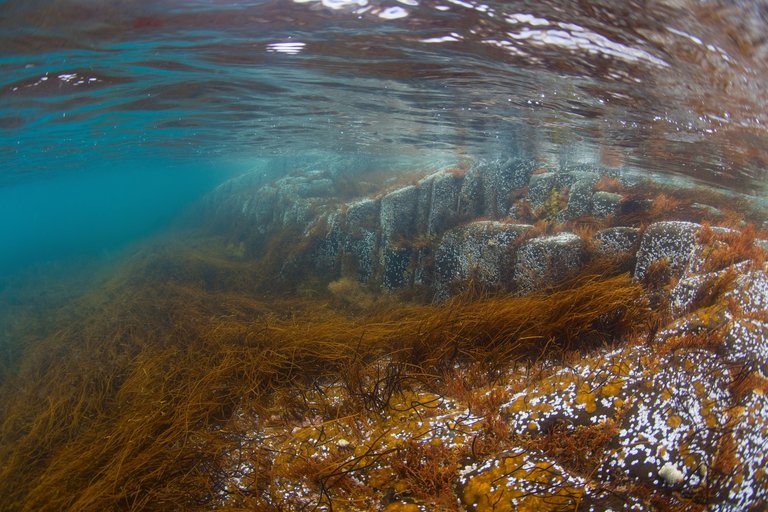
column 681, row 411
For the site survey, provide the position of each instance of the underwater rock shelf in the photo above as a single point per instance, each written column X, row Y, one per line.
column 673, row 417
column 504, row 226
column 497, row 337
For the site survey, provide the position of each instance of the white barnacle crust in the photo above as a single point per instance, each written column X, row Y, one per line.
column 670, row 474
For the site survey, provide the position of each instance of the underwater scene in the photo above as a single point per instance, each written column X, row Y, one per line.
column 383, row 255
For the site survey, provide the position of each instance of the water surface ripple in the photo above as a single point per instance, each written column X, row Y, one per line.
column 675, row 86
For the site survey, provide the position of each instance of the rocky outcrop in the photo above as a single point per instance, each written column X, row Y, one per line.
column 680, row 412
column 670, row 243
column 546, row 260
column 635, row 427
column 455, row 226
column 618, row 240
column 605, row 204
column 479, row 251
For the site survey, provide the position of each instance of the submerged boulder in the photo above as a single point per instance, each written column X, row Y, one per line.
column 500, row 178
column 546, row 260
column 361, row 239
column 605, row 203
column 398, row 213
column 618, row 240
column 444, row 201
column 579, row 199
column 672, row 243
column 480, row 251
column 540, row 188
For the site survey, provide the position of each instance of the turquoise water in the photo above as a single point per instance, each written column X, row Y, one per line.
column 116, row 116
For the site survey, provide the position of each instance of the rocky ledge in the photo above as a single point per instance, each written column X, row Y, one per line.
column 673, row 417
column 506, row 226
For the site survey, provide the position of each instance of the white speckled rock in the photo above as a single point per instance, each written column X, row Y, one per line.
column 675, row 241
column 617, row 240
column 361, row 239
column 518, row 479
column 605, row 203
column 397, row 217
column 397, row 271
column 746, row 343
column 570, row 174
column 539, row 188
column 362, row 215
column 479, row 250
column 423, row 204
column 470, row 203
column 747, row 486
column 500, row 178
column 674, row 417
column 444, row 202
column 326, row 255
column 751, row 292
column 398, row 213
column 673, row 413
column 545, row 260
column 579, row 200
column 689, row 287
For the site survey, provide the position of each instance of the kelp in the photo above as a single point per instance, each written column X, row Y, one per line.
column 137, row 400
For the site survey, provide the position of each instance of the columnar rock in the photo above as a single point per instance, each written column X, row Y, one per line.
column 423, row 204
column 444, row 203
column 479, row 251
column 398, row 214
column 471, row 195
column 397, row 219
column 543, row 261
column 362, row 240
column 618, row 240
column 672, row 242
column 326, row 254
column 500, row 178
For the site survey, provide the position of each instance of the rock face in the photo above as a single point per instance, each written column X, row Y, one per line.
column 617, row 240
column 480, row 251
column 546, row 260
column 605, row 203
column 579, row 198
column 453, row 226
column 681, row 423
column 685, row 414
column 397, row 215
column 673, row 243
column 359, row 246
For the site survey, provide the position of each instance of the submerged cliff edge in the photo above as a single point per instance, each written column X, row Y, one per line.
column 502, row 335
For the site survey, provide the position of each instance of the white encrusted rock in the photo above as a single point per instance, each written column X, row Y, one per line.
column 605, row 203
column 543, row 261
column 444, row 203
column 673, row 241
column 617, row 240
column 479, row 250
column 398, row 213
